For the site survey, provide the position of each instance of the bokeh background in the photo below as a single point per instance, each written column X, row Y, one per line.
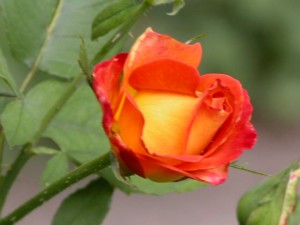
column 256, row 41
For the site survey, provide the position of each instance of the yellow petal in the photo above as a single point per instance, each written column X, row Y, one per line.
column 167, row 117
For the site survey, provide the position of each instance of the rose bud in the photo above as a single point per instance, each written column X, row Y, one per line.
column 164, row 121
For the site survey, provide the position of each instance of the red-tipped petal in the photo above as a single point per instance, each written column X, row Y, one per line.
column 162, row 172
column 213, row 176
column 106, row 78
column 237, row 133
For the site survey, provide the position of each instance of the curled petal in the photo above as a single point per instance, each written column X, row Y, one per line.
column 215, row 176
column 131, row 124
column 236, row 134
column 106, row 77
column 206, row 122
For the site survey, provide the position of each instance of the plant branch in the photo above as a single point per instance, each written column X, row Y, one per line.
column 69, row 90
column 13, row 172
column 56, row 187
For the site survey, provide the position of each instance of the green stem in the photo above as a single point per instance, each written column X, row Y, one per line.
column 1, row 152
column 12, row 173
column 239, row 167
column 53, row 189
column 69, row 90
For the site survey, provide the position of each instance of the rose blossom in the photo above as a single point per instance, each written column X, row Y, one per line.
column 164, row 121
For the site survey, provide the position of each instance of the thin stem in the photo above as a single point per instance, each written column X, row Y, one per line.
column 38, row 59
column 1, row 152
column 53, row 189
column 239, row 167
column 12, row 173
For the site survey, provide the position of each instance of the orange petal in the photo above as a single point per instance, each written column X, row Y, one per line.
column 167, row 117
column 130, row 124
column 152, row 46
column 166, row 75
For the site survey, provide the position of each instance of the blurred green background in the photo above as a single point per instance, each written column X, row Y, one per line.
column 256, row 41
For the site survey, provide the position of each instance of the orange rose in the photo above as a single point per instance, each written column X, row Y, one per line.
column 165, row 122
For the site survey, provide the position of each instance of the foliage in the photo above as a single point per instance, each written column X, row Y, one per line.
column 273, row 201
column 44, row 96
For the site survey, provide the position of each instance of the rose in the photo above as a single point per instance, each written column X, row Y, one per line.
column 164, row 121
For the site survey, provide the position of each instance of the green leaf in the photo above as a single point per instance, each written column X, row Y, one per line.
column 22, row 119
column 113, row 16
column 55, row 168
column 177, row 5
column 295, row 217
column 45, row 34
column 77, row 127
column 8, row 86
column 116, row 42
column 87, row 206
column 145, row 186
column 265, row 203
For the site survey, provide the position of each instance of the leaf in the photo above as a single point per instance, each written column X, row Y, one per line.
column 116, row 42
column 295, row 217
column 87, row 206
column 264, row 203
column 113, row 16
column 8, row 86
column 145, row 186
column 55, row 168
column 77, row 127
column 177, row 5
column 45, row 34
column 22, row 119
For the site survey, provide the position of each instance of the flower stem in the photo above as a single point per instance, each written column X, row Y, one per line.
column 56, row 187
column 239, row 167
column 13, row 172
